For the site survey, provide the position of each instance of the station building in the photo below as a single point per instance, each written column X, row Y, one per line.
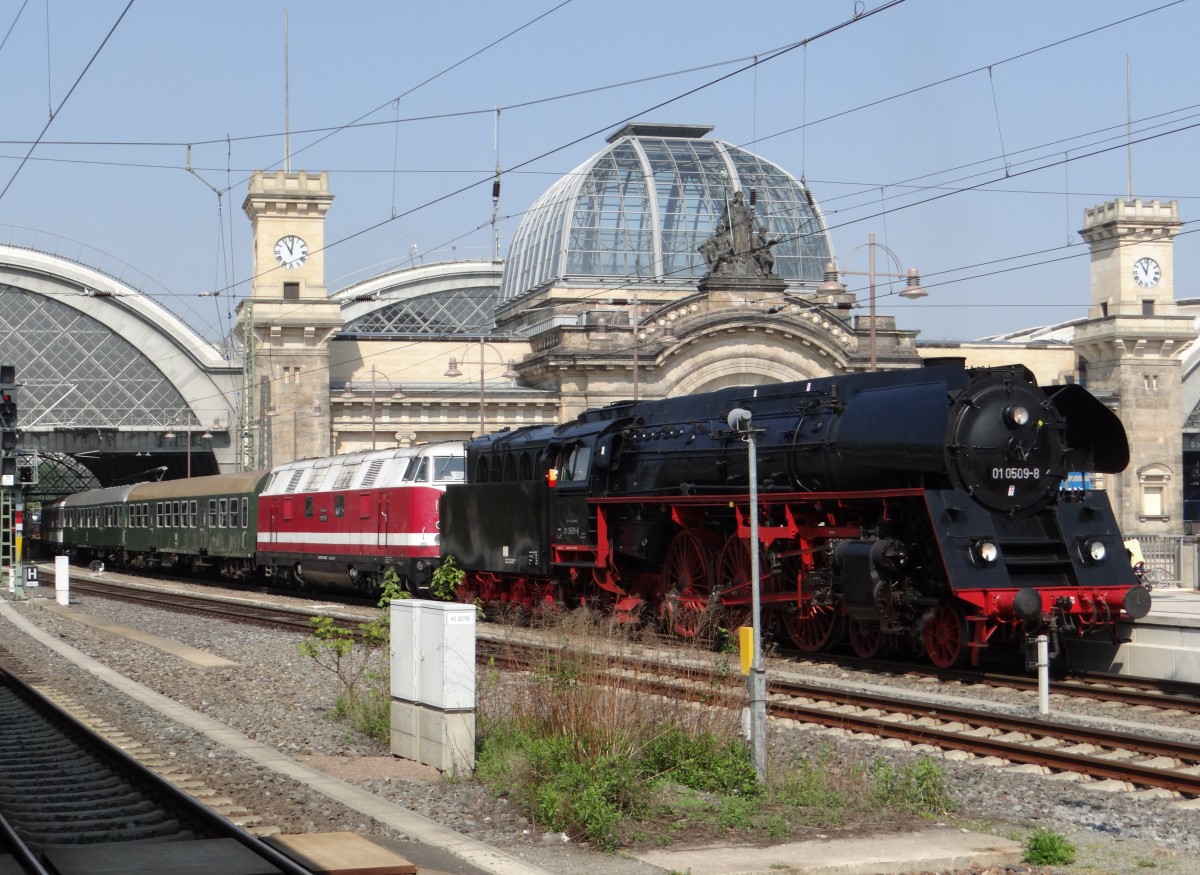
column 611, row 289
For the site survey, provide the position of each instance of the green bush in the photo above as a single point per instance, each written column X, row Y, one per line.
column 1044, row 847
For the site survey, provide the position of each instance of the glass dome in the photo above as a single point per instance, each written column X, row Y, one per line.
column 640, row 209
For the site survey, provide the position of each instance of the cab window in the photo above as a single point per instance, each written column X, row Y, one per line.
column 449, row 468
column 575, row 465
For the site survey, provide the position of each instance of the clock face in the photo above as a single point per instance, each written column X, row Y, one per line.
column 291, row 252
column 1146, row 272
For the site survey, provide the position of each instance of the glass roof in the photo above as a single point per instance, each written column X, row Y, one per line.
column 437, row 313
column 641, row 208
column 77, row 372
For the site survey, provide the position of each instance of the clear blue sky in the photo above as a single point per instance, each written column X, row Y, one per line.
column 891, row 118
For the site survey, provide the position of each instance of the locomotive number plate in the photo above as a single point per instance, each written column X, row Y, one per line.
column 1016, row 473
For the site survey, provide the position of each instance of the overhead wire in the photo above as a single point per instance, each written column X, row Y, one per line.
column 583, row 138
column 54, row 112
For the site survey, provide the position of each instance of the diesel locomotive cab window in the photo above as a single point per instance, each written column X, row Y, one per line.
column 418, row 473
column 449, row 469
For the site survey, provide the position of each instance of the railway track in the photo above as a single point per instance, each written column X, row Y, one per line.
column 1099, row 686
column 72, row 803
column 1137, row 761
column 1151, row 692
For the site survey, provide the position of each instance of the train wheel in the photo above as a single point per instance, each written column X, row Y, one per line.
column 812, row 628
column 733, row 576
column 865, row 638
column 687, row 585
column 945, row 636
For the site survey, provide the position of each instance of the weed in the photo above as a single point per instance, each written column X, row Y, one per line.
column 918, row 788
column 446, row 579
column 1044, row 847
column 350, row 655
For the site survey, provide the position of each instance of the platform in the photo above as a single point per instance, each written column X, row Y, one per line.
column 1163, row 644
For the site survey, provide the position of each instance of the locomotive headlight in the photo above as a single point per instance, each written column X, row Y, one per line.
column 985, row 552
column 1017, row 415
column 1094, row 551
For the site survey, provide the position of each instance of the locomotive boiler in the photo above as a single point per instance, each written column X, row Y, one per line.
column 921, row 508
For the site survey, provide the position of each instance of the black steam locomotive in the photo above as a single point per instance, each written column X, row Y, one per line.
column 922, row 508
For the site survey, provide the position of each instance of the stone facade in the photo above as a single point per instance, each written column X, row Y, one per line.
column 1127, row 352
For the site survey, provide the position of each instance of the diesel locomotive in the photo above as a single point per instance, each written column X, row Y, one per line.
column 920, row 508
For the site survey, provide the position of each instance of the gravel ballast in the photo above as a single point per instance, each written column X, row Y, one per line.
column 281, row 699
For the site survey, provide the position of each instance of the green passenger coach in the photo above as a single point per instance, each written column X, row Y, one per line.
column 198, row 522
column 181, row 523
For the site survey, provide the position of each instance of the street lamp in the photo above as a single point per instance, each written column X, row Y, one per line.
column 739, row 423
column 170, row 435
column 912, row 290
column 510, row 373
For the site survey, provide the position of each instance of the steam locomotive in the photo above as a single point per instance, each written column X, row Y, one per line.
column 921, row 508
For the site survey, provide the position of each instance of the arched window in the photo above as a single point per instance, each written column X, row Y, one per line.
column 510, row 468
column 481, row 470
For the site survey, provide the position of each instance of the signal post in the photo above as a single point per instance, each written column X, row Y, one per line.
column 11, row 506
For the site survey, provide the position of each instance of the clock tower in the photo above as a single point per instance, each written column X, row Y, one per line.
column 1128, row 350
column 290, row 315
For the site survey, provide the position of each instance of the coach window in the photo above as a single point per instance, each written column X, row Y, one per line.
column 308, row 507
column 245, row 513
column 212, row 513
column 339, row 505
column 194, row 514
column 223, row 511
column 234, row 519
